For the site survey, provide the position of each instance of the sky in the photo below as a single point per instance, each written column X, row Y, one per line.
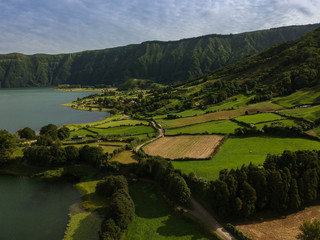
column 65, row 26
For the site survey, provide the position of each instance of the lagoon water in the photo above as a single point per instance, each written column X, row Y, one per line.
column 32, row 209
column 36, row 107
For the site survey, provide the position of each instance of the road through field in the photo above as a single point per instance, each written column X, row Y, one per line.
column 200, row 213
column 204, row 216
column 161, row 134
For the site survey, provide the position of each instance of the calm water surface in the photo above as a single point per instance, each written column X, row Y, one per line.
column 36, row 107
column 32, row 209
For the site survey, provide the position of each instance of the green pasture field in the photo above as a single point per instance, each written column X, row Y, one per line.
column 224, row 126
column 257, row 118
column 83, row 226
column 237, row 151
column 125, row 157
column 309, row 113
column 301, row 97
column 221, row 115
column 286, row 122
column 122, row 123
column 154, row 219
column 234, row 102
column 124, row 130
column 105, row 148
column 76, row 126
column 80, row 132
column 314, row 132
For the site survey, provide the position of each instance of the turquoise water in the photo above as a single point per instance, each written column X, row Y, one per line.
column 36, row 107
column 32, row 209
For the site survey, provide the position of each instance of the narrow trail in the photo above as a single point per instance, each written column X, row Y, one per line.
column 161, row 134
column 204, row 216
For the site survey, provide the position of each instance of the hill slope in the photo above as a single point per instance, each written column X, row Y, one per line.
column 163, row 62
column 275, row 72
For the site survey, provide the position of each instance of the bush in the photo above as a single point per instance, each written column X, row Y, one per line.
column 122, row 209
column 110, row 185
column 109, row 230
column 238, row 234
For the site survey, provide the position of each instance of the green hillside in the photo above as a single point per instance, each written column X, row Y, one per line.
column 163, row 62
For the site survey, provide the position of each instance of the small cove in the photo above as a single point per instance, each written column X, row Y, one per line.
column 34, row 209
column 36, row 107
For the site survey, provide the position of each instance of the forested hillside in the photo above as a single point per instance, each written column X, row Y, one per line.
column 276, row 72
column 163, row 62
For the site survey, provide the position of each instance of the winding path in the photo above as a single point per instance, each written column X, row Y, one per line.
column 204, row 216
column 161, row 134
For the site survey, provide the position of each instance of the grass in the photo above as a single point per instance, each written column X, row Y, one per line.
column 125, row 157
column 122, row 123
column 196, row 146
column 155, row 220
column 181, row 122
column 310, row 113
column 301, row 97
column 286, row 122
column 257, row 118
column 124, row 130
column 83, row 226
column 105, row 148
column 81, row 132
column 223, row 126
column 237, row 151
column 91, row 201
column 227, row 114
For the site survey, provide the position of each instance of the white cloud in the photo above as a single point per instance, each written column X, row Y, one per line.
column 55, row 26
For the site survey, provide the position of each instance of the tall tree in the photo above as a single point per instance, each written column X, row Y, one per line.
column 7, row 145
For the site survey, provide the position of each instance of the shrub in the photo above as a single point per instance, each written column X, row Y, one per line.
column 110, row 185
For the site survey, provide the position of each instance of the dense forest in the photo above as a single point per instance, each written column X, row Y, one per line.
column 163, row 62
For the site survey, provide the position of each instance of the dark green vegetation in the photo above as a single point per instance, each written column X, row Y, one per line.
column 310, row 230
column 7, row 145
column 286, row 182
column 163, row 62
column 120, row 212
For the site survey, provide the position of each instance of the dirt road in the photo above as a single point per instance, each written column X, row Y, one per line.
column 161, row 134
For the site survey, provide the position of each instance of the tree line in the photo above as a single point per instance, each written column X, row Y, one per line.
column 286, row 182
column 121, row 209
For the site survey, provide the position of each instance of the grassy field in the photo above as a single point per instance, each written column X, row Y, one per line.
column 222, row 126
column 257, row 118
column 155, row 220
column 105, row 148
column 81, row 132
column 124, row 122
column 181, row 122
column 286, row 122
column 238, row 151
column 83, row 226
column 124, row 131
column 310, row 113
column 197, row 146
column 125, row 157
column 301, row 97
column 227, row 114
